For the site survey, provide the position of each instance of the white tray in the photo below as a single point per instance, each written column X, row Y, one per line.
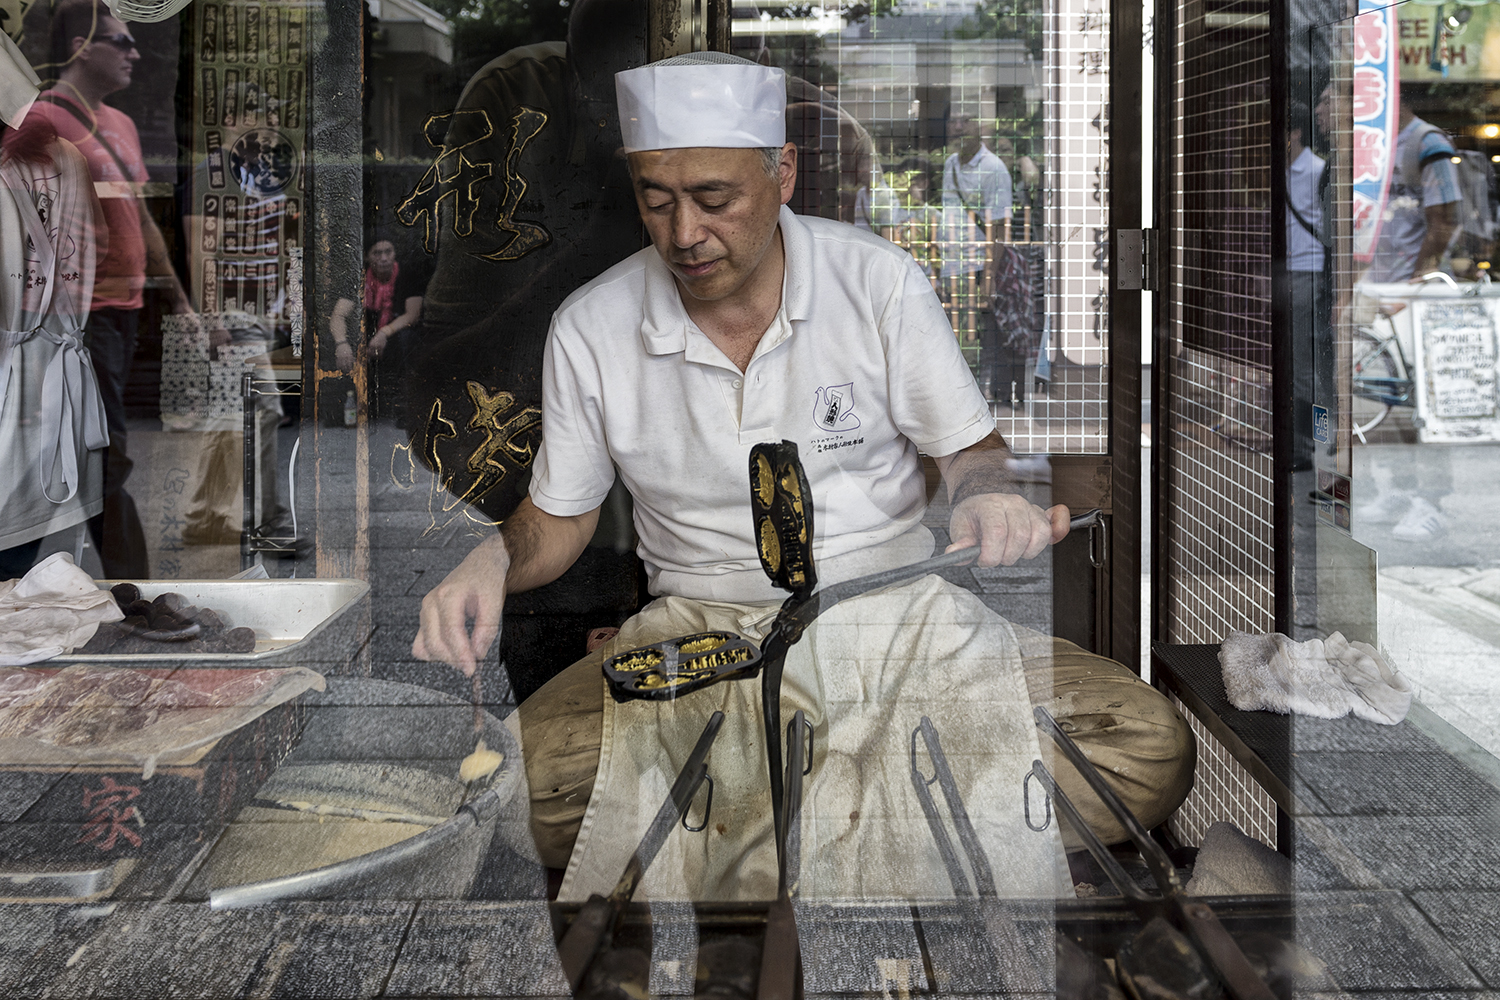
column 285, row 614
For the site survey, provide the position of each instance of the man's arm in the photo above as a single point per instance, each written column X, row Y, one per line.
column 338, row 328
column 532, row 549
column 987, row 510
column 1442, row 222
column 408, row 318
column 159, row 261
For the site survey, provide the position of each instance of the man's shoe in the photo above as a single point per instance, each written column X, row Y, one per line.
column 1421, row 523
column 1387, row 508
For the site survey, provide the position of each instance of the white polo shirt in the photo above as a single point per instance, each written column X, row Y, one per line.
column 860, row 368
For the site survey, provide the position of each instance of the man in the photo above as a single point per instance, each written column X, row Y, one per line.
column 96, row 56
column 739, row 325
column 976, row 218
column 1307, row 263
column 393, row 293
column 1422, row 210
column 1421, row 222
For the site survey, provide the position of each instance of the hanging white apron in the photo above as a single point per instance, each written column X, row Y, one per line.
column 48, row 427
column 866, row 673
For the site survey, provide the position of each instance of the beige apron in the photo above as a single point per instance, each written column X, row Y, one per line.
column 865, row 674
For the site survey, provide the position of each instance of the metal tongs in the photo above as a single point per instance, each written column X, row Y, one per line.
column 982, row 899
column 593, row 928
column 781, row 504
column 1195, row 918
column 781, row 952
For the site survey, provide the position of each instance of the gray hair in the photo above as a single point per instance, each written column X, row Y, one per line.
column 770, row 159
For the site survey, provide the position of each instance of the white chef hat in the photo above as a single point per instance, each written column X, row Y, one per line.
column 702, row 99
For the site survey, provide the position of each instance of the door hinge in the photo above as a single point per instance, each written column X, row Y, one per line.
column 1135, row 260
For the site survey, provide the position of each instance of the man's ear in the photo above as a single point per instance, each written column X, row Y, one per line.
column 787, row 171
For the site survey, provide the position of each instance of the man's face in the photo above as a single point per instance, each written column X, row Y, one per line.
column 109, row 57
column 711, row 213
column 966, row 132
column 382, row 259
column 1323, row 111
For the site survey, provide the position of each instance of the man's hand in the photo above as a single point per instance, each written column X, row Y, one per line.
column 1007, row 527
column 474, row 591
column 533, row 549
column 376, row 346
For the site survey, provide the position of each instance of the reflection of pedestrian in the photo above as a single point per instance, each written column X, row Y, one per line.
column 1421, row 221
column 52, row 429
column 976, row 222
column 96, row 56
column 393, row 293
column 1307, row 262
column 1422, row 209
column 915, row 223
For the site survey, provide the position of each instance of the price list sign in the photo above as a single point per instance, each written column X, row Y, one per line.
column 1456, row 370
column 248, row 182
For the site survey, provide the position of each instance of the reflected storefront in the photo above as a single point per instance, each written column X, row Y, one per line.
column 746, row 498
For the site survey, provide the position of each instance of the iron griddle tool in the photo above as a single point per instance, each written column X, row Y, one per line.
column 1010, row 951
column 594, row 926
column 781, row 952
column 1193, row 916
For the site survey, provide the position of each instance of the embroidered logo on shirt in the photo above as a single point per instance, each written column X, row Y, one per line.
column 833, row 408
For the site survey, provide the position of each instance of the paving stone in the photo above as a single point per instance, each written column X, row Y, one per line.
column 335, row 949
column 19, row 791
column 1470, row 921
column 1378, row 941
column 1395, row 784
column 1312, row 870
column 963, row 960
column 1422, row 852
column 674, row 949
column 859, row 950
column 37, row 940
column 479, row 949
column 1351, row 733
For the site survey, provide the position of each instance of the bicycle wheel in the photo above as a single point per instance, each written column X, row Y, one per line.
column 1374, row 368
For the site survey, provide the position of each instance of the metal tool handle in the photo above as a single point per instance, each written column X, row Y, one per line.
column 798, row 765
column 1196, row 917
column 1107, row 861
column 984, row 879
column 781, row 952
column 1156, row 859
column 920, row 783
column 594, row 925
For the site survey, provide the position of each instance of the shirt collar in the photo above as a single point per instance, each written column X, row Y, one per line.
column 665, row 324
column 979, row 157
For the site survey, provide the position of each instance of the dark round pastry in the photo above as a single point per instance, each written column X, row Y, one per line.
column 240, row 640
column 125, row 593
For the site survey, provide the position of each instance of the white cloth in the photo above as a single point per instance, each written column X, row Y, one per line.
column 53, row 609
column 860, row 368
column 1231, row 864
column 970, row 190
column 865, row 673
column 18, row 83
column 1326, row 678
column 52, row 423
column 702, row 99
column 1304, row 251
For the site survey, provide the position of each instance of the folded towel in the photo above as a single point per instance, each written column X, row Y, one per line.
column 1231, row 864
column 55, row 608
column 1327, row 678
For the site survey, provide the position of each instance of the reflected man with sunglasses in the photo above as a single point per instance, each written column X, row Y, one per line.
column 94, row 55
